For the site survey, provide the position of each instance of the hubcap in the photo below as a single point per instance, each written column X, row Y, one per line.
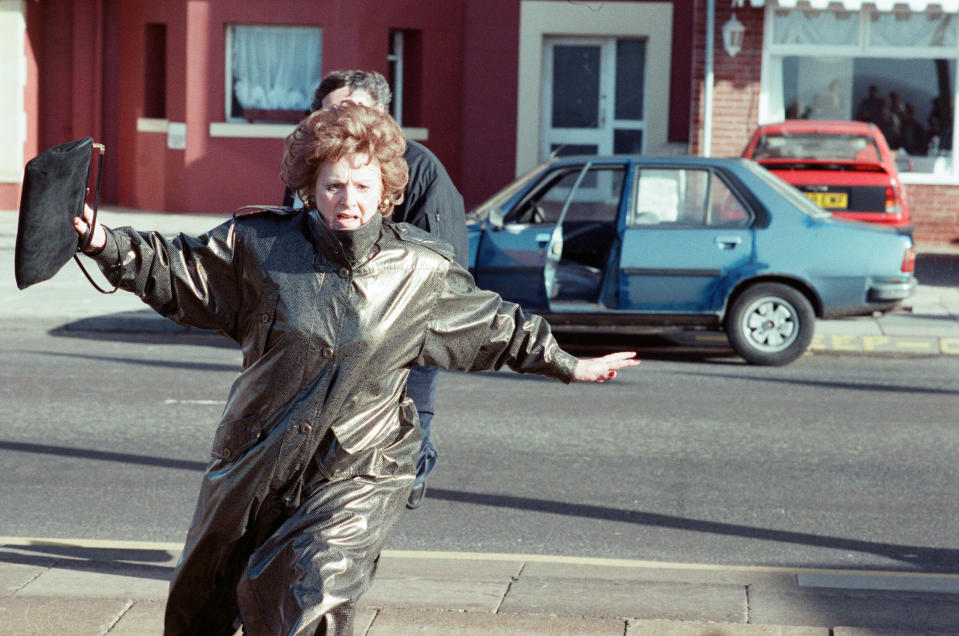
column 771, row 324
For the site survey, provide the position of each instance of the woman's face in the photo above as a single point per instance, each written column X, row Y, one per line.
column 348, row 191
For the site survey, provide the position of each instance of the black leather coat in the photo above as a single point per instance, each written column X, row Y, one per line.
column 328, row 322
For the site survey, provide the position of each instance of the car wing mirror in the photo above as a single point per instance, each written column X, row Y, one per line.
column 496, row 217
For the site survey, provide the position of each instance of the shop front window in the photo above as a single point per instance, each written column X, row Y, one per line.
column 901, row 78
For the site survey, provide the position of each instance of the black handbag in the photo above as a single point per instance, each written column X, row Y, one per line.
column 54, row 191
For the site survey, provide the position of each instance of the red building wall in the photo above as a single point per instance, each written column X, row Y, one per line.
column 490, row 93
column 90, row 79
column 218, row 174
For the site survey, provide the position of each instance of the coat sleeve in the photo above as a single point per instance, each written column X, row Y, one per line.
column 472, row 329
column 190, row 280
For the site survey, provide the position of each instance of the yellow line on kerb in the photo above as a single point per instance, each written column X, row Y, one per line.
column 27, row 542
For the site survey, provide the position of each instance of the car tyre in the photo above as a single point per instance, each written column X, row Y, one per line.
column 770, row 324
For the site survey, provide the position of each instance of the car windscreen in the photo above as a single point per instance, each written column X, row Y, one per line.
column 787, row 191
column 817, row 146
column 497, row 200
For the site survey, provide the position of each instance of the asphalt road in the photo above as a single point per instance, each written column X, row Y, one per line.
column 833, row 461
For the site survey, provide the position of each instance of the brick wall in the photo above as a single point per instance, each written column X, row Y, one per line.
column 935, row 214
column 736, row 81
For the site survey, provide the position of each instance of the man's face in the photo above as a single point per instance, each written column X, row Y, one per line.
column 345, row 94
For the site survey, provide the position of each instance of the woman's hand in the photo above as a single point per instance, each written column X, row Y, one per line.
column 605, row 368
column 82, row 224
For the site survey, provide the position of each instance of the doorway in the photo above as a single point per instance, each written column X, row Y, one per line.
column 594, row 96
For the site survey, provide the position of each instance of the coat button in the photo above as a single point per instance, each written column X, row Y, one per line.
column 327, row 352
column 344, row 272
column 226, row 452
column 264, row 318
column 305, row 429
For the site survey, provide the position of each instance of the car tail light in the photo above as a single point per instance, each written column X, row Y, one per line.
column 909, row 261
column 892, row 200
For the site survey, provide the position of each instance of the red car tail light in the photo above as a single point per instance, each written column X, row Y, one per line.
column 909, row 261
column 892, row 200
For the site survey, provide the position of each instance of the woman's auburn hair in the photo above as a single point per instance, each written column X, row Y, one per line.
column 332, row 133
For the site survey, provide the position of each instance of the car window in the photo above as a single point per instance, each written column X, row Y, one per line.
column 596, row 198
column 820, row 146
column 682, row 196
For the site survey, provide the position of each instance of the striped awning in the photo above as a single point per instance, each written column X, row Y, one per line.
column 946, row 6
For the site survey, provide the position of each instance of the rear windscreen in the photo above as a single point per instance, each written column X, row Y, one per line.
column 819, row 146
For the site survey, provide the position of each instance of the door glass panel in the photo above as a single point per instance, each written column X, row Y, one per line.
column 627, row 142
column 630, row 70
column 725, row 208
column 575, row 86
column 671, row 196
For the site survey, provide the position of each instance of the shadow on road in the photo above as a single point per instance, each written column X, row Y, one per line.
column 101, row 455
column 940, row 560
column 938, row 269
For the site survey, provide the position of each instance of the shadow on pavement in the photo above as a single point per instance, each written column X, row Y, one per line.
column 139, row 563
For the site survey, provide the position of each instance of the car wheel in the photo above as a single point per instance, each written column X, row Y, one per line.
column 770, row 324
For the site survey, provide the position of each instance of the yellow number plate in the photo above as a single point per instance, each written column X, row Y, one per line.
column 831, row 200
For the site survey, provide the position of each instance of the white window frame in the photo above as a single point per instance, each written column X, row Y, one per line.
column 397, row 58
column 13, row 81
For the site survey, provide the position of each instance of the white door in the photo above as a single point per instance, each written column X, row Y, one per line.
column 593, row 96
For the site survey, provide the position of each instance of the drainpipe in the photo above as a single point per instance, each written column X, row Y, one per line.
column 707, row 145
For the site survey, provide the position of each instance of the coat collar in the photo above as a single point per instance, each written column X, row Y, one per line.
column 346, row 247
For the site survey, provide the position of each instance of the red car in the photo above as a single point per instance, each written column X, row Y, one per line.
column 843, row 166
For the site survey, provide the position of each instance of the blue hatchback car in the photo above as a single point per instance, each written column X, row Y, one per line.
column 632, row 244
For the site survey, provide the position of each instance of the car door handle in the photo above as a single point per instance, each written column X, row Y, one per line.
column 543, row 238
column 727, row 242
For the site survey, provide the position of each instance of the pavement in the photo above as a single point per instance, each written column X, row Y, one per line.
column 88, row 587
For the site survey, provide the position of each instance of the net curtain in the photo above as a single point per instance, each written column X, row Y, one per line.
column 275, row 68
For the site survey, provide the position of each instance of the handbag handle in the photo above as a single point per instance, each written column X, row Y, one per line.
column 84, row 242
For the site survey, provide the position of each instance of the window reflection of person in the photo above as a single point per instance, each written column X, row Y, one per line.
column 869, row 106
column 797, row 110
column 912, row 136
column 888, row 124
column 828, row 105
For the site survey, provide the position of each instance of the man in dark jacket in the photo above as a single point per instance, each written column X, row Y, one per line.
column 431, row 203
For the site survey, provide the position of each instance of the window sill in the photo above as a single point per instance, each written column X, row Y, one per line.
column 250, row 131
column 281, row 131
column 918, row 178
column 152, row 125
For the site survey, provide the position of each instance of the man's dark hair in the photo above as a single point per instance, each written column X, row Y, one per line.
column 370, row 82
